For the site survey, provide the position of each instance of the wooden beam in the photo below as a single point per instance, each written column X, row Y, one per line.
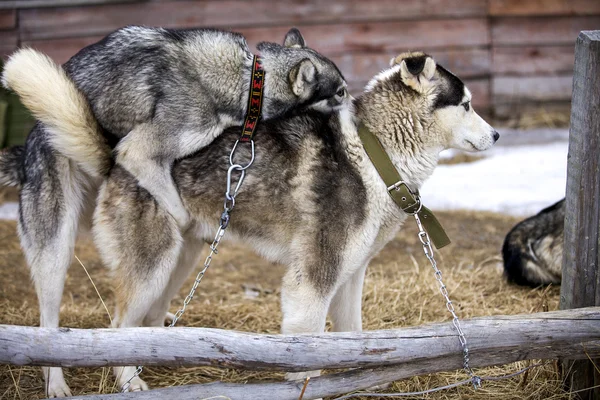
column 524, row 89
column 492, row 353
column 7, row 4
column 542, row 334
column 581, row 256
column 8, row 19
column 335, row 40
column 328, row 385
column 533, row 60
column 100, row 20
column 543, row 7
column 8, row 43
column 540, row 30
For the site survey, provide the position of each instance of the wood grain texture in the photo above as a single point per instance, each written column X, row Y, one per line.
column 541, row 329
column 8, row 19
column 333, row 40
column 8, row 43
column 340, row 40
column 533, row 60
column 328, row 385
column 581, row 264
column 60, row 50
column 542, row 334
column 517, row 89
column 543, row 7
column 100, row 20
column 540, row 30
column 7, row 4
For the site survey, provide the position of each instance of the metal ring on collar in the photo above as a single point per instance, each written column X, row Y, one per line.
column 418, row 200
column 233, row 152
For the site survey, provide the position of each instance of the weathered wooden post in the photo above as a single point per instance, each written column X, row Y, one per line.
column 581, row 260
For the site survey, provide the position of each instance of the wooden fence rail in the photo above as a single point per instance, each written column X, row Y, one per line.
column 381, row 356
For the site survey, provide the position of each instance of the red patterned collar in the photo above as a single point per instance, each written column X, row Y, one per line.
column 255, row 100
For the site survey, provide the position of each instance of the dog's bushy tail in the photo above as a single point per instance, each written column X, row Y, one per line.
column 52, row 97
column 11, row 166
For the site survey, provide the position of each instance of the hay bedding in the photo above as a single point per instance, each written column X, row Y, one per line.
column 241, row 291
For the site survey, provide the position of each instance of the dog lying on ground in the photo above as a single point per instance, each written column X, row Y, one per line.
column 312, row 201
column 533, row 249
column 164, row 94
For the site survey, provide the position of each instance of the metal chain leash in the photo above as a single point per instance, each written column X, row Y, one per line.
column 428, row 250
column 228, row 206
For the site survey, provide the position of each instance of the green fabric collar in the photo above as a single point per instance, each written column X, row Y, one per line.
column 408, row 201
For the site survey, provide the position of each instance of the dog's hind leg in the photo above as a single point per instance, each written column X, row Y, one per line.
column 345, row 308
column 141, row 244
column 50, row 202
column 304, row 307
column 188, row 260
column 137, row 153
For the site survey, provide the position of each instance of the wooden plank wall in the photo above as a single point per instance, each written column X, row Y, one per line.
column 513, row 54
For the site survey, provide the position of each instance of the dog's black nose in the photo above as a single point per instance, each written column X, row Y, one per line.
column 496, row 136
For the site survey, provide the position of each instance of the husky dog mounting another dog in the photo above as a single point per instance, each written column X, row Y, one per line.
column 167, row 93
column 533, row 249
column 312, row 201
column 164, row 94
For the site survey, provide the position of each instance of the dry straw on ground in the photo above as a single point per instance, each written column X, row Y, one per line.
column 400, row 291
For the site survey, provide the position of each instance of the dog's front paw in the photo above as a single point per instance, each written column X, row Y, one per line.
column 169, row 317
column 56, row 385
column 136, row 385
column 59, row 391
column 123, row 374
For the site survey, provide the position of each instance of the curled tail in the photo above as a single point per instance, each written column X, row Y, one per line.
column 11, row 166
column 52, row 97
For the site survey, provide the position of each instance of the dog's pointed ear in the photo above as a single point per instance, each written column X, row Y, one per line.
column 294, row 39
column 417, row 69
column 303, row 78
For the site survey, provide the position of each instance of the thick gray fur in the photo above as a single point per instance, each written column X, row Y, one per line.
column 312, row 201
column 533, row 249
column 165, row 93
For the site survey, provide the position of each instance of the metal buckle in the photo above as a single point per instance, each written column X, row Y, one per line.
column 396, row 186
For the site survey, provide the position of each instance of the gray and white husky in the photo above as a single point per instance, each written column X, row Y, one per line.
column 312, row 201
column 533, row 249
column 165, row 94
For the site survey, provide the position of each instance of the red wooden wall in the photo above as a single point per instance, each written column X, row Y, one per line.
column 513, row 54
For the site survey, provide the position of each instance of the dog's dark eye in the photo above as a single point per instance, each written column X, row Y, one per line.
column 466, row 105
column 341, row 92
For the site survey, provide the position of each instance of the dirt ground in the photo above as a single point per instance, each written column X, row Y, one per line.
column 241, row 292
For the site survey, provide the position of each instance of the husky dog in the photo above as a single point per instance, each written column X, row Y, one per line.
column 175, row 83
column 312, row 200
column 167, row 93
column 533, row 249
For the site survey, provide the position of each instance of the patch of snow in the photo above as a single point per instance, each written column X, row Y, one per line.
column 518, row 177
column 9, row 211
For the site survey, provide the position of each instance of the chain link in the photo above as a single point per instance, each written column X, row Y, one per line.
column 228, row 206
column 428, row 250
